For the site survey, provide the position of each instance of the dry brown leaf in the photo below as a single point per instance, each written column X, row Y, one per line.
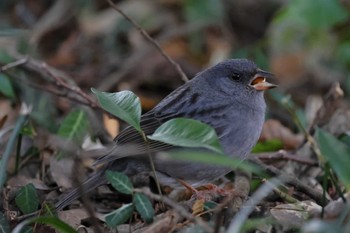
column 111, row 125
column 336, row 208
column 3, row 120
column 198, row 207
column 273, row 129
column 20, row 180
column 164, row 223
column 147, row 103
column 73, row 217
column 339, row 122
column 176, row 48
column 66, row 54
column 61, row 171
column 295, row 215
column 288, row 68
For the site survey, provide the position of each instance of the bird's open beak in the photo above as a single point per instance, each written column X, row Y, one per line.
column 259, row 82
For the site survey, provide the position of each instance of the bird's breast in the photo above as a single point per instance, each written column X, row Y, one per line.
column 241, row 131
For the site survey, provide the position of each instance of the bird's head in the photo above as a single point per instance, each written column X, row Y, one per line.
column 236, row 77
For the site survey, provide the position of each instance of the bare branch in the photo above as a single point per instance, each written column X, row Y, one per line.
column 13, row 64
column 151, row 40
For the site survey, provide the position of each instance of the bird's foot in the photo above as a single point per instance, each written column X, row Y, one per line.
column 209, row 192
column 206, row 192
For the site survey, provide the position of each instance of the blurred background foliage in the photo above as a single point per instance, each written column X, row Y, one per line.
column 306, row 44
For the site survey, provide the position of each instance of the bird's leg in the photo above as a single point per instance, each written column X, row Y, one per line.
column 187, row 186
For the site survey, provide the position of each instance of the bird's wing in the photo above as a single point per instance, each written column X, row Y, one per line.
column 130, row 142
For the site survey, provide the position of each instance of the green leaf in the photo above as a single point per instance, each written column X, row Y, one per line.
column 6, row 86
column 343, row 53
column 4, row 225
column 119, row 216
column 144, row 207
column 48, row 209
column 27, row 229
column 12, row 32
column 345, row 138
column 187, row 133
column 213, row 159
column 27, row 199
column 74, row 126
column 54, row 222
column 268, row 145
column 210, row 205
column 336, row 153
column 316, row 14
column 28, row 130
column 5, row 57
column 124, row 105
column 120, row 182
column 204, row 10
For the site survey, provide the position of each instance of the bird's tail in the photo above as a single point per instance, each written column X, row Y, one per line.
column 94, row 181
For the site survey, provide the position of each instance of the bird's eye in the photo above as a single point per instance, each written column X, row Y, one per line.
column 235, row 76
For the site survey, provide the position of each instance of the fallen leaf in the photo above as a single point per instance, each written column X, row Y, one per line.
column 273, row 129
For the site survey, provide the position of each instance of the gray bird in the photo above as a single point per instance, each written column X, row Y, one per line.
column 228, row 96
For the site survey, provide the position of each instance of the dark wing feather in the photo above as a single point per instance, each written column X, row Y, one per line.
column 128, row 143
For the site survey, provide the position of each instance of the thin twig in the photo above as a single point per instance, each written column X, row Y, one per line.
column 151, row 40
column 313, row 193
column 51, row 74
column 153, row 168
column 60, row 82
column 13, row 64
column 284, row 155
column 138, row 56
column 64, row 94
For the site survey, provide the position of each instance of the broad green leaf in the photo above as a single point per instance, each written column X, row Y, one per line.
column 6, row 86
column 74, row 127
column 187, row 133
column 120, row 182
column 144, row 207
column 124, row 105
column 27, row 199
column 4, row 225
column 119, row 216
column 336, row 153
column 212, row 159
column 54, row 222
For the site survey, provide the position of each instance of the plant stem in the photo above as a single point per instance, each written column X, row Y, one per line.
column 18, row 152
column 24, row 112
column 153, row 168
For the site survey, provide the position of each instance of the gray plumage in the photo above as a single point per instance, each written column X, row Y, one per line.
column 228, row 97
